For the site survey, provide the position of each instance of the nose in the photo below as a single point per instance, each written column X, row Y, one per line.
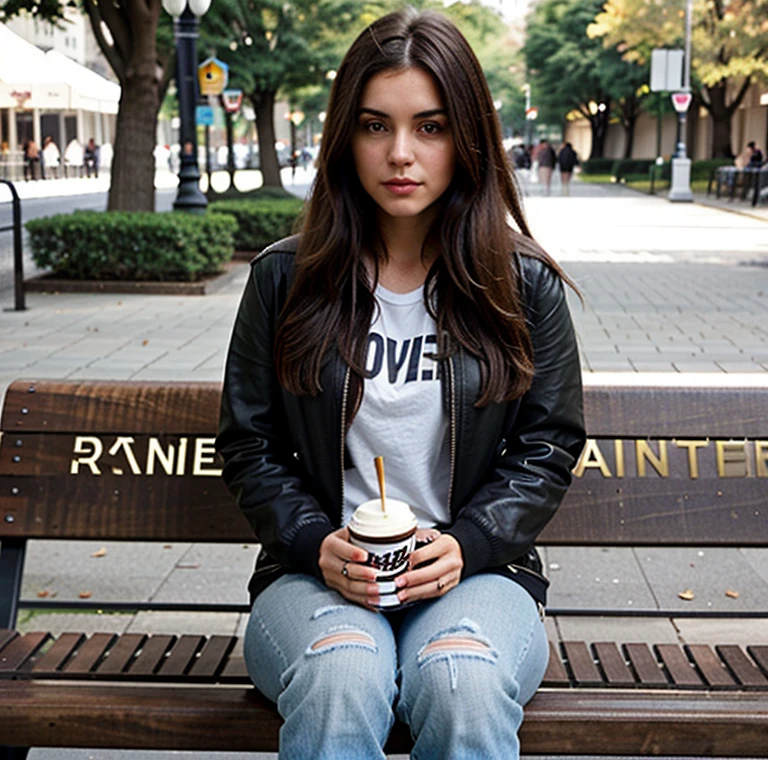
column 401, row 148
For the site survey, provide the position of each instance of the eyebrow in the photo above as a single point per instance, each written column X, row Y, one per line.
column 419, row 115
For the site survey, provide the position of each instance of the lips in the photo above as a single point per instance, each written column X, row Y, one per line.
column 401, row 185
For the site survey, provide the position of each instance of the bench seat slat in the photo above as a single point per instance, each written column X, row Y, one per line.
column 21, row 649
column 614, row 667
column 151, row 655
column 202, row 718
column 181, row 656
column 679, row 666
column 760, row 656
column 742, row 667
column 235, row 670
column 556, row 674
column 120, row 654
column 89, row 654
column 645, row 665
column 210, row 661
column 6, row 637
column 710, row 667
column 57, row 655
column 585, row 672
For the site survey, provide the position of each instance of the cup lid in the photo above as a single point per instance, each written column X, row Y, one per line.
column 369, row 519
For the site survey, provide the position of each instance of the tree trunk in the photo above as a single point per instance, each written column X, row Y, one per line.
column 132, row 186
column 264, row 105
column 721, row 122
column 629, row 137
column 599, row 126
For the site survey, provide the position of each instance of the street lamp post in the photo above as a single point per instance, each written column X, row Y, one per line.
column 185, row 21
column 680, row 189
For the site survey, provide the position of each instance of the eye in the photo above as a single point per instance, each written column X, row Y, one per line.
column 432, row 128
column 373, row 127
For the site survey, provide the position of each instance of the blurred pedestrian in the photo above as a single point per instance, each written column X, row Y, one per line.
column 74, row 158
column 547, row 158
column 51, row 157
column 5, row 157
column 91, row 156
column 567, row 160
column 31, row 160
column 756, row 157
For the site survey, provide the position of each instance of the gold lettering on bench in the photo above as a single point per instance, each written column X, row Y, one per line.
column 660, row 463
column 204, row 446
column 89, row 453
column 81, row 441
column 761, row 458
column 592, row 457
column 693, row 459
column 732, row 460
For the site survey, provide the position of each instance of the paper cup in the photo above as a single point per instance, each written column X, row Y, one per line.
column 389, row 538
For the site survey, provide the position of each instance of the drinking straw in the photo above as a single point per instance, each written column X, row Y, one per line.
column 379, row 462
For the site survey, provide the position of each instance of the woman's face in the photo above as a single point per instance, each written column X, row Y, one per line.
column 402, row 145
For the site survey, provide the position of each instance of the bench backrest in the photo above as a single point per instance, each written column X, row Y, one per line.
column 135, row 461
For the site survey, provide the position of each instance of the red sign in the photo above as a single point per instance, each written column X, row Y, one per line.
column 681, row 101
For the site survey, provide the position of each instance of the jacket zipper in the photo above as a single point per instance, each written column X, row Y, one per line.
column 344, row 396
column 452, row 429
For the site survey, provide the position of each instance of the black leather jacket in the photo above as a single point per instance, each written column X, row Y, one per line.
column 511, row 463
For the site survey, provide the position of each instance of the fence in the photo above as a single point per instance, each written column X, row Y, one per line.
column 18, row 260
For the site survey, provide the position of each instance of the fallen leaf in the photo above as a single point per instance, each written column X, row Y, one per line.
column 168, row 546
column 145, row 342
column 42, row 594
column 100, row 553
column 85, row 594
column 687, row 595
column 732, row 594
column 187, row 567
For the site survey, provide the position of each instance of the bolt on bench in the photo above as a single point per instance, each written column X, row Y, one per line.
column 133, row 461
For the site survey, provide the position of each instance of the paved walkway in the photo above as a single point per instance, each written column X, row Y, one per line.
column 678, row 290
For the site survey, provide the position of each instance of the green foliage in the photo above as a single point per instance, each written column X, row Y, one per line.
column 597, row 166
column 132, row 245
column 260, row 222
column 262, row 193
column 625, row 167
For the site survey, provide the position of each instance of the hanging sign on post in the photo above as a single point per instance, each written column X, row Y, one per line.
column 213, row 76
column 231, row 100
column 681, row 101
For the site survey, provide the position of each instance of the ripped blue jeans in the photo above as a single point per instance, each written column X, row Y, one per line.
column 457, row 670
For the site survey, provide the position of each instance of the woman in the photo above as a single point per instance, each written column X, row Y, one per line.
column 408, row 319
column 567, row 160
column 51, row 157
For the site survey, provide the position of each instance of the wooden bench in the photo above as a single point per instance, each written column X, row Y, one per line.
column 134, row 461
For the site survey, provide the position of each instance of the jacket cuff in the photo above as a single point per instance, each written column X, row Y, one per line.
column 306, row 548
column 474, row 544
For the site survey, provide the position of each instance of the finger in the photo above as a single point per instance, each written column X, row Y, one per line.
column 430, row 589
column 360, row 592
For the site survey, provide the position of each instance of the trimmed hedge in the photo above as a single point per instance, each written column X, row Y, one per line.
column 260, row 194
column 260, row 222
column 117, row 245
column 598, row 165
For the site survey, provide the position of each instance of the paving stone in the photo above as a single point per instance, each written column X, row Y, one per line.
column 743, row 632
column 624, row 630
column 596, row 578
column 65, row 621
column 192, row 623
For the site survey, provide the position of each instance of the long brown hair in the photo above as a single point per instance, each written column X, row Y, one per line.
column 473, row 280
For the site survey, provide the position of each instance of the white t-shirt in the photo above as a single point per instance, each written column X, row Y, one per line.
column 401, row 417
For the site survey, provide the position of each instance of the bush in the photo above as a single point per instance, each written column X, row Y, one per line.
column 260, row 222
column 260, row 194
column 625, row 167
column 597, row 165
column 118, row 245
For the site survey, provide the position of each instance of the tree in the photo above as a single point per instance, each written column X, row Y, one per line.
column 729, row 48
column 570, row 71
column 141, row 61
column 271, row 45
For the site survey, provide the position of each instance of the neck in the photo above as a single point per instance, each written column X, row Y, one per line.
column 407, row 262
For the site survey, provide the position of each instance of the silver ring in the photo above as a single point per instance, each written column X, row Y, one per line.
column 440, row 584
column 345, row 569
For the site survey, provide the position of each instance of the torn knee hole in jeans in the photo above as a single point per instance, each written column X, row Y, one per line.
column 460, row 642
column 342, row 637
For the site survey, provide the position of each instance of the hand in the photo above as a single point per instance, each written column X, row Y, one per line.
column 341, row 565
column 436, row 578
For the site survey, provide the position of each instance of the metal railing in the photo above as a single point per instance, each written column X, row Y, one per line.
column 18, row 259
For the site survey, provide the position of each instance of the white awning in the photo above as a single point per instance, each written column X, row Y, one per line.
column 30, row 78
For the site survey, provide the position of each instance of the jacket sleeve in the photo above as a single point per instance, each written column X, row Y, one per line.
column 532, row 472
column 259, row 468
